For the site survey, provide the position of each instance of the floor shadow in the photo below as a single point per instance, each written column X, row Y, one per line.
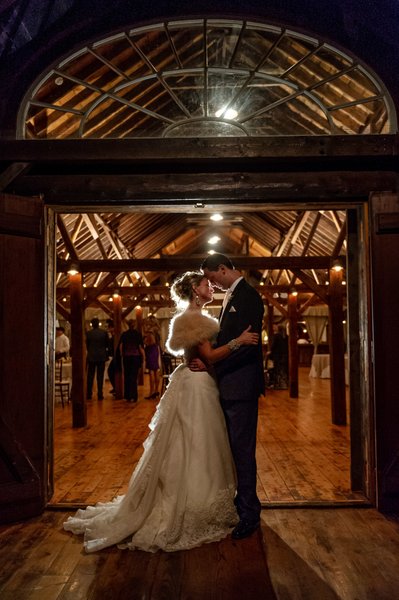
column 292, row 577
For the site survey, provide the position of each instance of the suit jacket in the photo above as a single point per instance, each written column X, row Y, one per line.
column 240, row 375
column 97, row 343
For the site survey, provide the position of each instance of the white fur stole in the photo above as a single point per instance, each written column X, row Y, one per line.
column 189, row 328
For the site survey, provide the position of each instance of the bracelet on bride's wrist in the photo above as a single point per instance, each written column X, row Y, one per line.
column 233, row 345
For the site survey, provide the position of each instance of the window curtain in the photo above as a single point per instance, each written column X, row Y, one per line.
column 316, row 318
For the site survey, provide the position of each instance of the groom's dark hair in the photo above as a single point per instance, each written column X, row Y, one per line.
column 213, row 262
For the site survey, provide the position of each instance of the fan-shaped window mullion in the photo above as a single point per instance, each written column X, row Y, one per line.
column 227, row 76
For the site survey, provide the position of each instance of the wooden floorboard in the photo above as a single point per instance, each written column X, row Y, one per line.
column 299, row 554
column 302, row 457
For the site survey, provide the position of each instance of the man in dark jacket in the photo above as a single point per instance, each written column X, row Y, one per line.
column 97, row 343
column 241, row 382
column 132, row 350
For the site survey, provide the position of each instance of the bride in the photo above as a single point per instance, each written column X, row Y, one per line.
column 181, row 492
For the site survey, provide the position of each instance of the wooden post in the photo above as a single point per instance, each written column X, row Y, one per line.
column 293, row 344
column 270, row 317
column 139, row 327
column 78, row 333
column 337, row 349
column 117, row 306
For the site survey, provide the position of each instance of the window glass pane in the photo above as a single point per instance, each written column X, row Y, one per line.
column 189, row 89
column 222, row 42
column 42, row 123
column 254, row 48
column 370, row 117
column 189, row 44
column 285, row 55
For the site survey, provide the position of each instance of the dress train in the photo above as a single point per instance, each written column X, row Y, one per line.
column 181, row 492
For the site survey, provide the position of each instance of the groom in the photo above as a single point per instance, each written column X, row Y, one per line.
column 241, row 381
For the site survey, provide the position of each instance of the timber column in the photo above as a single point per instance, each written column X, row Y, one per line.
column 293, row 343
column 337, row 347
column 117, row 305
column 78, row 333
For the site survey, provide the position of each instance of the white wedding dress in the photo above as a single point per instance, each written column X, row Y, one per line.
column 181, row 493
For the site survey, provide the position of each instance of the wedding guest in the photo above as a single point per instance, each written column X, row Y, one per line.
column 131, row 346
column 97, row 343
column 111, row 354
column 152, row 363
column 62, row 345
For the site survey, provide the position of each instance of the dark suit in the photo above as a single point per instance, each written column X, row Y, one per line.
column 241, row 381
column 97, row 353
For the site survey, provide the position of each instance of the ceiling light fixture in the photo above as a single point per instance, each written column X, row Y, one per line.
column 337, row 265
column 217, row 217
column 214, row 240
column 73, row 269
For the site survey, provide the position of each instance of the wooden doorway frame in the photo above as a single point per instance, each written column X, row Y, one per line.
column 362, row 448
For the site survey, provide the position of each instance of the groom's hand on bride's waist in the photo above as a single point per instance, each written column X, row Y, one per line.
column 197, row 365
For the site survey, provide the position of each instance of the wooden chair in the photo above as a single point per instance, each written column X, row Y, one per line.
column 61, row 385
column 169, row 364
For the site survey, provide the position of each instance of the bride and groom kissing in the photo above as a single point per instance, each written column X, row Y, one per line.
column 196, row 479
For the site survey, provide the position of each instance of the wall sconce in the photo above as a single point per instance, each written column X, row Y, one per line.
column 293, row 292
column 116, row 294
column 73, row 269
column 337, row 265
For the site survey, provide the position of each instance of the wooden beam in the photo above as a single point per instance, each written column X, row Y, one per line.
column 66, row 238
column 319, row 290
column 12, row 172
column 185, row 263
column 188, row 170
column 322, row 149
column 273, row 302
column 164, row 290
column 61, row 309
column 241, row 186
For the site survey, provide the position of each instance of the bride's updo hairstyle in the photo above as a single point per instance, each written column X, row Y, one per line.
column 182, row 288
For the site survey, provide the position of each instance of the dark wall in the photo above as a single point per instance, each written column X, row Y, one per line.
column 384, row 229
column 42, row 31
column 23, row 419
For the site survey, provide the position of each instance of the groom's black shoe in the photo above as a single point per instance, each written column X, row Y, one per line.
column 244, row 529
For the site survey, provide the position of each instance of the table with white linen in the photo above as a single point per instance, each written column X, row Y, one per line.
column 320, row 367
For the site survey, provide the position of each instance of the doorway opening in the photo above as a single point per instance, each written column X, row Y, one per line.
column 303, row 458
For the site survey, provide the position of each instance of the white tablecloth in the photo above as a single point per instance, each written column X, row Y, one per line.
column 321, row 367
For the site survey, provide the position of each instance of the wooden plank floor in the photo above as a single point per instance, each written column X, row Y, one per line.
column 302, row 458
column 300, row 554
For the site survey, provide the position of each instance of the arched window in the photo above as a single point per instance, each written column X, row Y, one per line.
column 206, row 78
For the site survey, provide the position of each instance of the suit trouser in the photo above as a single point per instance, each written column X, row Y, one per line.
column 241, row 420
column 92, row 367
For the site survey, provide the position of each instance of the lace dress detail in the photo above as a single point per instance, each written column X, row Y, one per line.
column 181, row 492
